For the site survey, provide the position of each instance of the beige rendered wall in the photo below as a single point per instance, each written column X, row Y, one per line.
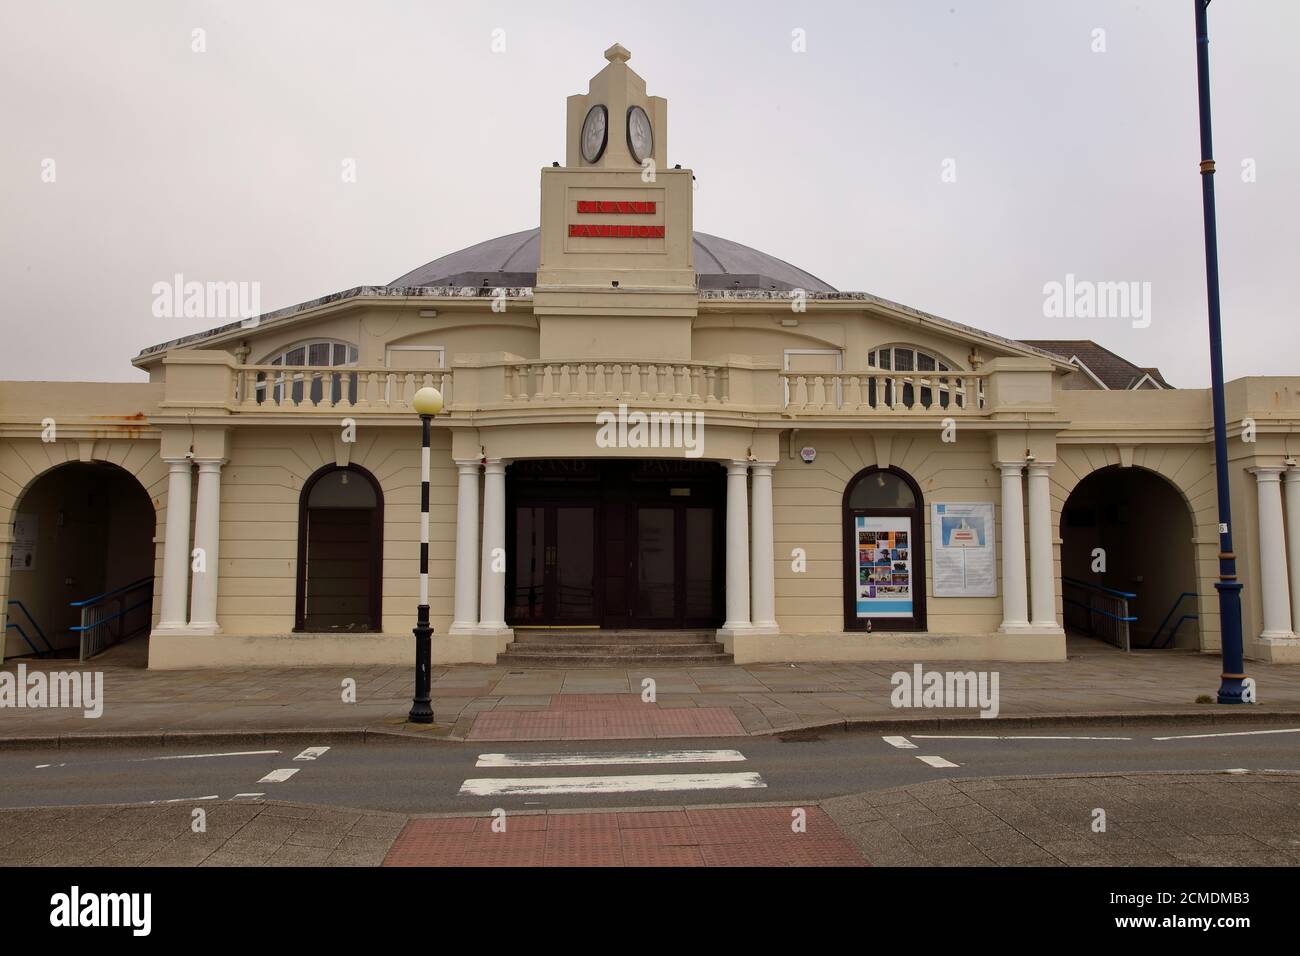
column 260, row 490
column 807, row 505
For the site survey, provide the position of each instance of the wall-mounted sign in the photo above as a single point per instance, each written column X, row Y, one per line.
column 808, row 453
column 23, row 555
column 965, row 562
column 601, row 231
column 618, row 207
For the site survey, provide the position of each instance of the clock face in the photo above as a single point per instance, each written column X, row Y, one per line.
column 640, row 137
column 595, row 131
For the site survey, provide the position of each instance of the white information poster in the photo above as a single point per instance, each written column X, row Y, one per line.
column 22, row 557
column 884, row 549
column 965, row 563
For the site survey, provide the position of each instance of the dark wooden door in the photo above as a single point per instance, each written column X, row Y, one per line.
column 553, row 579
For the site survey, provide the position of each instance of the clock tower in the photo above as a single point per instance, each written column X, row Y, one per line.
column 616, row 240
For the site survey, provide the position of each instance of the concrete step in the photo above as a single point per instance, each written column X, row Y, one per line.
column 598, row 636
column 614, row 650
column 507, row 659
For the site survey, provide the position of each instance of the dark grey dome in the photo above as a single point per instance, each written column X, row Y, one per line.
column 512, row 261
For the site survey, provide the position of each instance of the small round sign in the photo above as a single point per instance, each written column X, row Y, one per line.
column 808, row 453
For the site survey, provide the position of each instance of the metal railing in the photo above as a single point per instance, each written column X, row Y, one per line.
column 1098, row 611
column 1173, row 632
column 104, row 616
column 49, row 649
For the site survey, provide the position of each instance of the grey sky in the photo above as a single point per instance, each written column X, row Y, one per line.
column 226, row 165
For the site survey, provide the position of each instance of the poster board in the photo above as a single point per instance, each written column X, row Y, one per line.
column 884, row 566
column 22, row 556
column 965, row 560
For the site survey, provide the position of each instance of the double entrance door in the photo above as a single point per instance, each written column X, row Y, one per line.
column 615, row 544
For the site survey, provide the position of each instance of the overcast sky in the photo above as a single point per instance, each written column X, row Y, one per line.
column 226, row 164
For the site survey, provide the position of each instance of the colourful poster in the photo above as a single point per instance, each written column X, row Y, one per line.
column 884, row 547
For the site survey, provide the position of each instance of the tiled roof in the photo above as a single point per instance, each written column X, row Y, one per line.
column 1115, row 372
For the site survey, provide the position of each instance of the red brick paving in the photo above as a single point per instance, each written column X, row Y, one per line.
column 604, row 717
column 748, row 836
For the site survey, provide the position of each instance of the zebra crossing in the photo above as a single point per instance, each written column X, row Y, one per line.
column 595, row 783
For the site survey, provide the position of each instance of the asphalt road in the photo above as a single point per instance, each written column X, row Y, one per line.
column 431, row 777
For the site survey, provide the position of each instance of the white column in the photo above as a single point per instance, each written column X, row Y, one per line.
column 762, row 565
column 465, row 613
column 1273, row 587
column 207, row 537
column 1042, row 577
column 1292, row 485
column 492, row 606
column 176, row 544
column 1015, row 603
column 737, row 548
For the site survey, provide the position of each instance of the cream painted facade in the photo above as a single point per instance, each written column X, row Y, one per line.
column 227, row 446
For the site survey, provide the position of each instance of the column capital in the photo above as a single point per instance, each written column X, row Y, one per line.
column 1009, row 467
column 1265, row 473
column 737, row 468
column 467, row 465
column 176, row 464
column 210, row 465
column 495, row 466
column 1040, row 468
column 1291, row 475
column 762, row 467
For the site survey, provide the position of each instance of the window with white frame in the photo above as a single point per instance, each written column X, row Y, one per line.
column 926, row 366
column 299, row 362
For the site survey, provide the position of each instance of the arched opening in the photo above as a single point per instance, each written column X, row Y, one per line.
column 340, row 551
column 82, row 557
column 1127, row 552
column 884, row 552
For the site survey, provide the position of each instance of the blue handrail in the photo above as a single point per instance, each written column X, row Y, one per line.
column 1097, row 610
column 107, row 594
column 1097, row 587
column 1172, row 608
column 36, row 627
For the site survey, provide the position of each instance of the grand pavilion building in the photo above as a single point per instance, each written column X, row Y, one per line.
column 647, row 432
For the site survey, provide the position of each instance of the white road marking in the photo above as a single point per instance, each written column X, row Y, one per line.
column 1239, row 733
column 238, row 795
column 1007, row 737
column 937, row 762
column 902, row 743
column 653, row 782
column 42, row 766
column 599, row 759
column 279, row 776
column 188, row 799
column 311, row 753
column 237, row 753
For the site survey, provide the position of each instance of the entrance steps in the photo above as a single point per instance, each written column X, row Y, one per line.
column 590, row 647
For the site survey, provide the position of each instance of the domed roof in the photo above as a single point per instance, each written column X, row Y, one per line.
column 512, row 261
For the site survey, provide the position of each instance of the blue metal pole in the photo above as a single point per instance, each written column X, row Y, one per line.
column 1229, row 588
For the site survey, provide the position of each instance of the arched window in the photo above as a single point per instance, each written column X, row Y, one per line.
column 909, row 358
column 299, row 362
column 340, row 551
column 884, row 552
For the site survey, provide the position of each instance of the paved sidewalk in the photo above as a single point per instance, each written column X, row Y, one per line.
column 478, row 702
column 1156, row 819
column 1152, row 819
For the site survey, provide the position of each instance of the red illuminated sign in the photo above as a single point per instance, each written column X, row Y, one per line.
column 618, row 208
column 602, row 231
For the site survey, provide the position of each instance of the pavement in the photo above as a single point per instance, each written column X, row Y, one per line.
column 497, row 703
column 1150, row 819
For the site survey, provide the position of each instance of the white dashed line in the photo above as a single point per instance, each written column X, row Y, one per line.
column 937, row 762
column 902, row 743
column 488, row 786
column 1239, row 733
column 250, row 795
column 311, row 753
column 238, row 753
column 1007, row 737
column 279, row 776
column 188, row 799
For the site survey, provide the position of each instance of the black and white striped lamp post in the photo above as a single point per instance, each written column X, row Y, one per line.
column 427, row 403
